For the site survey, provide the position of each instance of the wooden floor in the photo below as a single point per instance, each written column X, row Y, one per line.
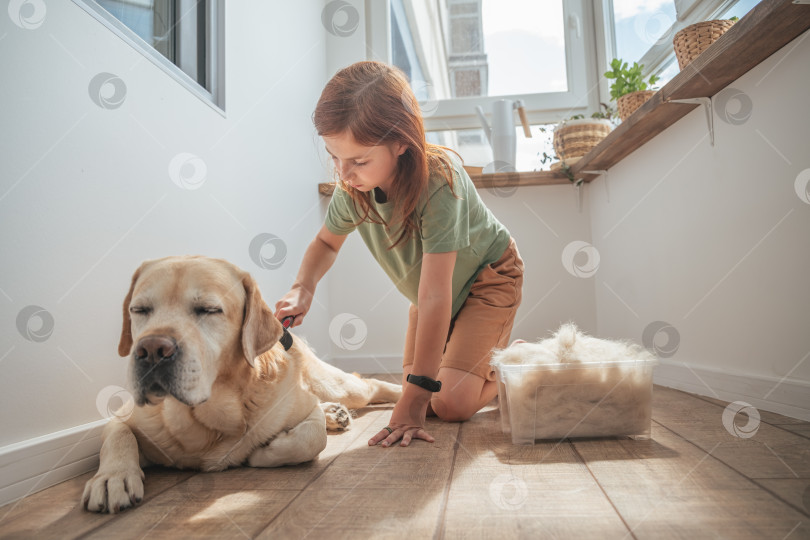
column 692, row 480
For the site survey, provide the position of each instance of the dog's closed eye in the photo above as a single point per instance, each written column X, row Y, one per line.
column 140, row 310
column 207, row 310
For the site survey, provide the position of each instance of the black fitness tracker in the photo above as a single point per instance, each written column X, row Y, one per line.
column 427, row 383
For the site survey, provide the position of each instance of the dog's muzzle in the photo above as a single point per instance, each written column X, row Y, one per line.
column 155, row 369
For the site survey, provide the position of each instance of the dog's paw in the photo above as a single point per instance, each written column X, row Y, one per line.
column 338, row 417
column 113, row 492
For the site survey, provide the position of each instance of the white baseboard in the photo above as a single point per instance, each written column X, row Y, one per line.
column 789, row 397
column 33, row 465
column 366, row 365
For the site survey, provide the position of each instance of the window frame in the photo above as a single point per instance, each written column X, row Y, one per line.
column 214, row 47
column 661, row 54
column 541, row 108
column 372, row 41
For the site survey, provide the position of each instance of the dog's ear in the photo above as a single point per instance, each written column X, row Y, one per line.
column 125, row 343
column 260, row 328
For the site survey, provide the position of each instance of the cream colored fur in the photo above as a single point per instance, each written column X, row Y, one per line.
column 582, row 386
column 230, row 394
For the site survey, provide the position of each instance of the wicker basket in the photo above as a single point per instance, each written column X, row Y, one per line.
column 628, row 103
column 696, row 38
column 575, row 138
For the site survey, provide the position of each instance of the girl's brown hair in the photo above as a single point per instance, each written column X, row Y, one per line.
column 374, row 102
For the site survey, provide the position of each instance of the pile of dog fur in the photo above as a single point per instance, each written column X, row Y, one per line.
column 574, row 385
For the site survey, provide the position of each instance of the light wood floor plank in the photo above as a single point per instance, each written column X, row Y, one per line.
column 680, row 491
column 57, row 512
column 793, row 491
column 501, row 490
column 192, row 513
column 767, row 416
column 771, row 452
column 421, row 463
column 374, row 491
column 799, row 429
column 375, row 512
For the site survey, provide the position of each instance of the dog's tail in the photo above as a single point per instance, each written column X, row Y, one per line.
column 381, row 391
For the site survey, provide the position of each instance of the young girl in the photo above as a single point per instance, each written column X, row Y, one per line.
column 422, row 219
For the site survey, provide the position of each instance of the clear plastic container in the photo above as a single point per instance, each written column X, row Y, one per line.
column 557, row 401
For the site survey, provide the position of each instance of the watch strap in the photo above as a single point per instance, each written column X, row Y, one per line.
column 427, row 383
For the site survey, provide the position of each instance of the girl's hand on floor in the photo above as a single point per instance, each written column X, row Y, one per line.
column 407, row 420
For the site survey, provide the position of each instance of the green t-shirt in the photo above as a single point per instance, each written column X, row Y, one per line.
column 459, row 223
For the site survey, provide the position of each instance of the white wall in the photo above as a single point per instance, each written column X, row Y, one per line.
column 85, row 193
column 713, row 241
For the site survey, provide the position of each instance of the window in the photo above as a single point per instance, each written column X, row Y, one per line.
column 474, row 149
column 551, row 54
column 182, row 37
column 463, row 53
column 642, row 30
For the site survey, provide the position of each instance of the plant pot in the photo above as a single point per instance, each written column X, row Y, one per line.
column 628, row 103
column 575, row 138
column 692, row 40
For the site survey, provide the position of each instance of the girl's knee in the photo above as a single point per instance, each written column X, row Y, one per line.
column 452, row 410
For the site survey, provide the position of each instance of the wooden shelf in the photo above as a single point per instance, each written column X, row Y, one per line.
column 768, row 27
column 494, row 181
column 517, row 179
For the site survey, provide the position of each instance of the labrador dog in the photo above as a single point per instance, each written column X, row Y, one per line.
column 217, row 382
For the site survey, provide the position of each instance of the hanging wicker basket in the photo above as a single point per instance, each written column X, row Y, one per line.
column 696, row 38
column 628, row 103
column 575, row 138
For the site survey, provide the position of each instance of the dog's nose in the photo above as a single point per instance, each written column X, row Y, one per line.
column 155, row 348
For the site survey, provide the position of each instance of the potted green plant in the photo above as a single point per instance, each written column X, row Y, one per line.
column 576, row 136
column 692, row 40
column 629, row 89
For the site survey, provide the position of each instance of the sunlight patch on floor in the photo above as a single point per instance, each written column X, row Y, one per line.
column 228, row 504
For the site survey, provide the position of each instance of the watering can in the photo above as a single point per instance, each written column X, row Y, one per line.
column 501, row 135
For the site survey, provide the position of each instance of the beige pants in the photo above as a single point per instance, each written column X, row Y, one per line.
column 484, row 321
